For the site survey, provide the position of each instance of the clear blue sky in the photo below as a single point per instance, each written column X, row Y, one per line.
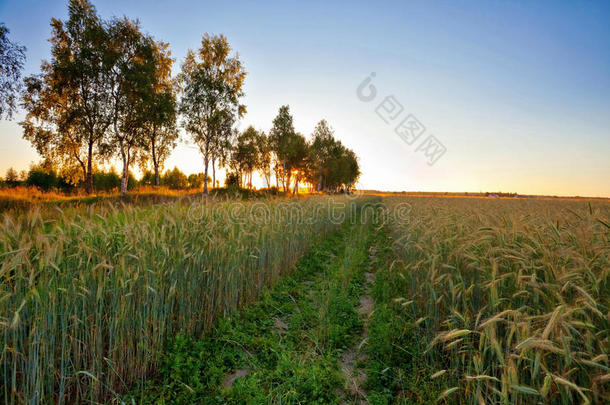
column 517, row 92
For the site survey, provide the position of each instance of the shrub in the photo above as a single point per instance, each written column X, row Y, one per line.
column 45, row 179
column 175, row 179
column 196, row 180
column 106, row 181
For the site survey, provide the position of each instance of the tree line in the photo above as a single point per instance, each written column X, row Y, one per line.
column 107, row 92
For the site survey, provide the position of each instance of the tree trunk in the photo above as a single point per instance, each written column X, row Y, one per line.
column 124, row 180
column 277, row 180
column 206, row 161
column 89, row 175
column 82, row 165
column 295, row 190
column 213, row 173
column 155, row 165
column 319, row 183
column 288, row 178
column 157, row 177
column 284, row 175
column 125, row 172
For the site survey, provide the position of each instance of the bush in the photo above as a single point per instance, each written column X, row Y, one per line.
column 196, row 180
column 106, row 181
column 132, row 182
column 175, row 179
column 232, row 180
column 148, row 178
column 45, row 179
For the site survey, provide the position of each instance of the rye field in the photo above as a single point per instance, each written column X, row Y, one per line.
column 510, row 297
column 323, row 299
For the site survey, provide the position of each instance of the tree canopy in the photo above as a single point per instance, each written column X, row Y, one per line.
column 12, row 59
column 105, row 92
column 69, row 104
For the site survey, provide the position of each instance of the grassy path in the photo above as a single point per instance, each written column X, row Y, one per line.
column 353, row 360
column 302, row 342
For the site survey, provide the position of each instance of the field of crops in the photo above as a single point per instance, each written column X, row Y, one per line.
column 511, row 298
column 88, row 296
column 407, row 300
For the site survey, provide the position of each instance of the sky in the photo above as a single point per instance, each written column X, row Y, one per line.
column 513, row 96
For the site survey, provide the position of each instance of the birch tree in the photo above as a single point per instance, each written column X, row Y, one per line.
column 212, row 84
column 68, row 104
column 12, row 59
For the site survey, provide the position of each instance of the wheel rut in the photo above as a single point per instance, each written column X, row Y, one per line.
column 352, row 360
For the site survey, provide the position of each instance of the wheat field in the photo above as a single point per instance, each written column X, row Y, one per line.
column 512, row 296
column 89, row 295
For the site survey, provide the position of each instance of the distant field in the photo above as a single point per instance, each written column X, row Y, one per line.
column 491, row 195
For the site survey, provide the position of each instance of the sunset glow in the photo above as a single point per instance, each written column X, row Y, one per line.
column 516, row 92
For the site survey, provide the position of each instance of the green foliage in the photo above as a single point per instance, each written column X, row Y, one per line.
column 45, row 179
column 175, row 179
column 105, row 92
column 263, row 150
column 12, row 59
column 324, row 163
column 196, row 180
column 160, row 112
column 232, row 180
column 279, row 139
column 11, row 178
column 106, row 181
column 397, row 368
column 148, row 178
column 332, row 165
column 282, row 130
column 68, row 105
column 132, row 182
column 245, row 156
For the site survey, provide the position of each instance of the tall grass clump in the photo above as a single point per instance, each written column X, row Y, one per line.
column 89, row 296
column 512, row 297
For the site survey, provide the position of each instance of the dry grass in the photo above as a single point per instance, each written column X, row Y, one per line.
column 20, row 198
column 34, row 194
